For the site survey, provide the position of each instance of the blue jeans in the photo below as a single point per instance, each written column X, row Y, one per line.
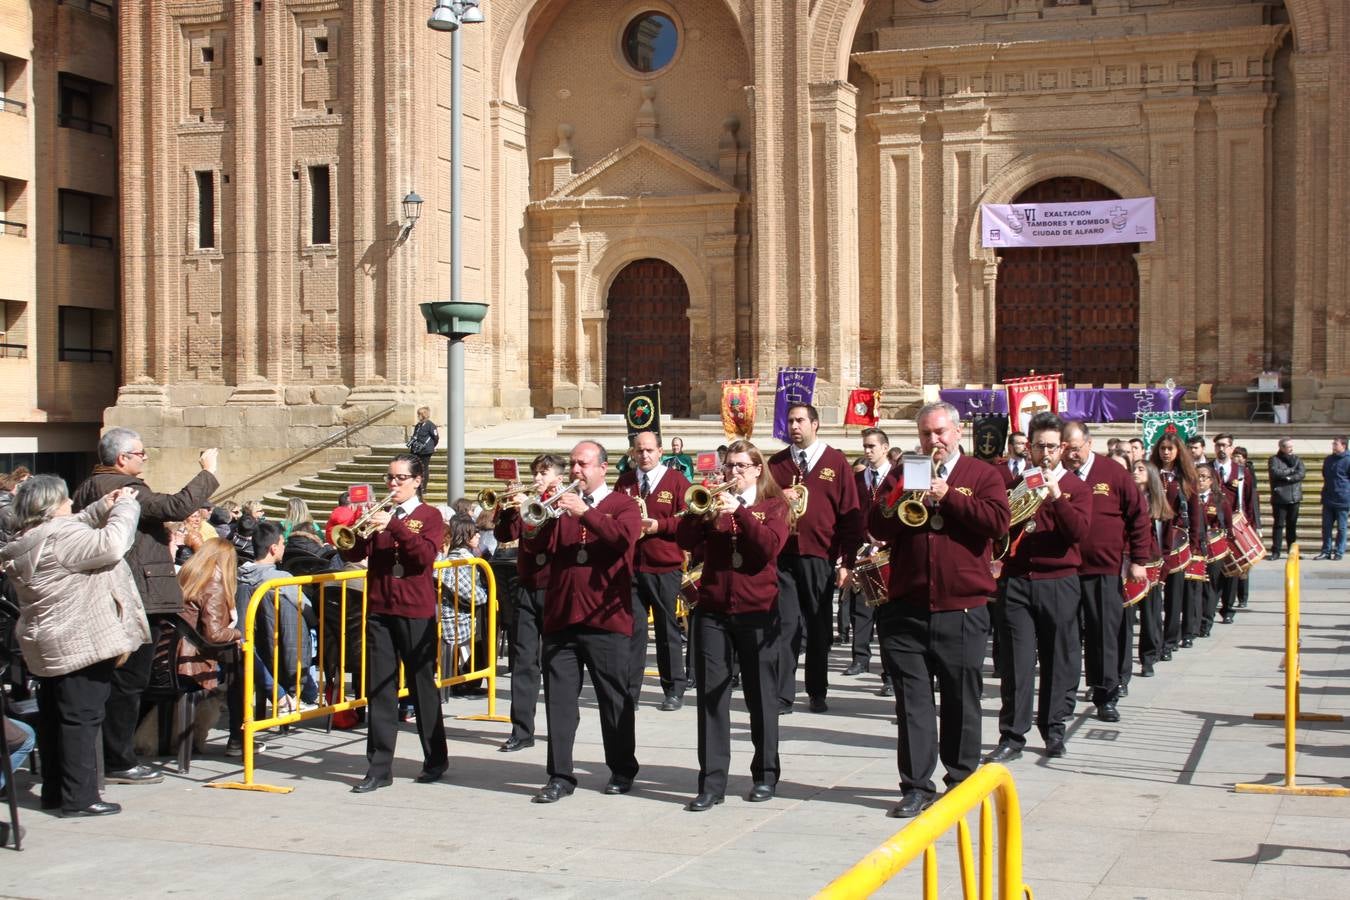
column 18, row 756
column 1332, row 515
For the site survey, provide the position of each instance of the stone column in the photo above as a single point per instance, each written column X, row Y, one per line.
column 899, row 251
column 244, row 367
column 1308, row 306
column 508, row 263
column 963, row 329
column 712, row 329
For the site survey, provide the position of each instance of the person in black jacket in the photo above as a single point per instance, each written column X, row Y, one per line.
column 1286, row 492
column 423, row 442
column 1335, row 499
column 122, row 459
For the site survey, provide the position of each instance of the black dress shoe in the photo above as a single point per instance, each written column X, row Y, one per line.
column 759, row 793
column 912, row 802
column 1242, row 604
column 1146, row 670
column 513, row 743
column 1123, row 691
column 1335, row 557
column 671, row 703
column 1187, row 643
column 430, row 776
column 1323, row 555
column 704, row 802
column 1274, row 556
column 856, row 668
column 619, row 786
column 97, row 808
column 1004, row 752
column 785, row 710
column 1227, row 619
column 135, row 775
column 1165, row 656
column 1107, row 712
column 371, row 783
column 1054, row 748
column 555, row 790
column 818, row 705
column 887, row 689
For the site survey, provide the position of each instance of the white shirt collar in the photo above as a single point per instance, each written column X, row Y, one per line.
column 951, row 461
column 654, row 476
column 1087, row 466
column 750, row 494
column 813, row 454
column 409, row 505
column 882, row 471
column 598, row 494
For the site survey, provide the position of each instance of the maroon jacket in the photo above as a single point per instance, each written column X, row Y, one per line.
column 658, row 551
column 760, row 532
column 532, row 549
column 833, row 521
column 947, row 569
column 1218, row 511
column 1050, row 548
column 1119, row 520
column 1193, row 520
column 412, row 542
column 868, row 498
column 597, row 593
column 1249, row 506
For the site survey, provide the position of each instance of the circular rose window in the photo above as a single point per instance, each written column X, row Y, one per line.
column 649, row 42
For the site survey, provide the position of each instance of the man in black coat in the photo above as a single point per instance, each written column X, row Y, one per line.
column 122, row 458
column 1286, row 492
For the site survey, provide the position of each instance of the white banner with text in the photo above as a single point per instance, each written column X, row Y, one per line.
column 1073, row 224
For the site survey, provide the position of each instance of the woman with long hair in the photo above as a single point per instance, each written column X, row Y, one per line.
column 1151, row 644
column 208, row 582
column 80, row 617
column 1181, row 596
column 298, row 519
column 737, row 619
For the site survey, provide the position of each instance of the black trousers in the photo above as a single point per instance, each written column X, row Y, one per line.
column 752, row 638
column 1210, row 592
column 391, row 640
column 606, row 655
column 1125, row 658
column 1192, row 608
column 916, row 646
column 1151, row 641
column 862, row 620
column 656, row 592
column 124, row 706
column 1286, row 527
column 71, row 708
column 1174, row 601
column 1040, row 621
column 806, row 608
column 526, row 656
column 1103, row 609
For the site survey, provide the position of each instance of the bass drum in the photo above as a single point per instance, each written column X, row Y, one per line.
column 1246, row 550
column 873, row 574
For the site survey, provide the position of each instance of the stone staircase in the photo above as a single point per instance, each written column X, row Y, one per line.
column 321, row 491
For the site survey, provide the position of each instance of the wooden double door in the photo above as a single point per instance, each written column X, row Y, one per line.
column 1073, row 310
column 647, row 335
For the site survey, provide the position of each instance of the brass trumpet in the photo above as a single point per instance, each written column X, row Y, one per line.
column 698, row 500
column 1023, row 502
column 537, row 511
column 797, row 506
column 911, row 508
column 492, row 499
column 346, row 536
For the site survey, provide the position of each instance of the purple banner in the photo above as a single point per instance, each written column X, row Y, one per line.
column 794, row 386
column 1090, row 405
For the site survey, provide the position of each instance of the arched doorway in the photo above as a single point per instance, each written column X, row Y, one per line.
column 1073, row 310
column 647, row 335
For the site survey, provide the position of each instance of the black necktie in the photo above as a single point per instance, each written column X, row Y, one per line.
column 801, row 460
column 871, row 479
column 588, row 499
column 1078, row 473
column 1017, row 467
column 740, row 499
column 646, row 485
column 399, row 512
column 942, row 471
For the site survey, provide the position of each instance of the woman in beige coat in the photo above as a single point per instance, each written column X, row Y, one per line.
column 80, row 615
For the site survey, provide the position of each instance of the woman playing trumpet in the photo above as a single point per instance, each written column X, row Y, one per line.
column 737, row 617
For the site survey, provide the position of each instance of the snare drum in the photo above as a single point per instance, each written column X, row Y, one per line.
column 1154, row 571
column 1135, row 590
column 1197, row 570
column 1179, row 557
column 1218, row 545
column 1246, row 550
column 873, row 575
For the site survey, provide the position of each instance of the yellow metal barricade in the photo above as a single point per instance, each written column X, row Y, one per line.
column 992, row 790
column 335, row 684
column 1292, row 715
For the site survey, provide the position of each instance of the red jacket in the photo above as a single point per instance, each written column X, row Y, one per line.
column 658, row 551
column 1050, row 548
column 1190, row 521
column 833, row 521
column 413, row 543
column 596, row 593
column 1119, row 520
column 760, row 532
column 947, row 569
column 1248, row 506
column 1218, row 512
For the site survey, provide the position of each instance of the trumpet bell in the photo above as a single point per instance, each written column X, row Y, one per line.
column 344, row 537
column 488, row 498
column 912, row 512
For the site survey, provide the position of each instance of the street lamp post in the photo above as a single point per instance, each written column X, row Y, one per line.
column 449, row 15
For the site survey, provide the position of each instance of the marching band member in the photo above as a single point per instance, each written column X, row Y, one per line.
column 588, row 622
column 936, row 621
column 1040, row 596
column 532, row 567
column 876, row 447
column 1218, row 516
column 737, row 619
column 830, row 526
column 656, row 562
column 1160, row 516
column 1240, row 485
column 401, row 624
column 1181, row 597
column 1119, row 524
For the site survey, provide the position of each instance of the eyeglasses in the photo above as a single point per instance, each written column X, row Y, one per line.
column 141, row 453
column 397, row 477
column 740, row 467
column 1045, row 448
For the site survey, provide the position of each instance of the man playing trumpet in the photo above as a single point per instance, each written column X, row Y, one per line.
column 400, row 549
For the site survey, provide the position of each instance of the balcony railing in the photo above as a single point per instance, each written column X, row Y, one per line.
column 83, row 238
column 93, row 7
column 13, row 351
column 18, row 229
column 10, row 105
column 80, row 123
